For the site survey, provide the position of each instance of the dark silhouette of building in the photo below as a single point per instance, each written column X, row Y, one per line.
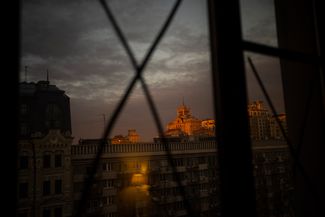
column 43, row 151
column 43, row 107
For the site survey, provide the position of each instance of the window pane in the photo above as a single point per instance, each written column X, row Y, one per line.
column 58, row 186
column 23, row 190
column 23, row 162
column 58, row 160
column 46, row 212
column 271, row 157
column 46, row 161
column 46, row 188
column 259, row 22
column 23, row 214
column 23, row 109
column 58, row 212
column 135, row 175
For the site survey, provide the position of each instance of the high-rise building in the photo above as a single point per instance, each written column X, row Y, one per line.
column 259, row 119
column 43, row 107
column 275, row 131
column 264, row 126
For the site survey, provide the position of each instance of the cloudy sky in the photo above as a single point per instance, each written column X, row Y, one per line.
column 75, row 41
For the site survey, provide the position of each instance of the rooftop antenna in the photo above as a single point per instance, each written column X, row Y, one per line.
column 26, row 73
column 47, row 75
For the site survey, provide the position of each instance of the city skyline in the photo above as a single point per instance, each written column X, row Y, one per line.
column 75, row 42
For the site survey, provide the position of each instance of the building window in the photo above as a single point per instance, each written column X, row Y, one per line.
column 46, row 188
column 23, row 162
column 23, row 109
column 58, row 160
column 47, row 161
column 46, row 212
column 53, row 116
column 23, row 214
column 24, row 129
column 58, row 212
column 23, row 190
column 58, row 186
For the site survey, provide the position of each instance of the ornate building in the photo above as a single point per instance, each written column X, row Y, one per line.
column 44, row 151
column 185, row 124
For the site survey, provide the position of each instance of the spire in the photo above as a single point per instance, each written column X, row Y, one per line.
column 183, row 101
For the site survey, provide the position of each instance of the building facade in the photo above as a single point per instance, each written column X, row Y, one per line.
column 264, row 126
column 275, row 131
column 44, row 152
column 137, row 180
column 132, row 137
column 186, row 125
column 259, row 120
column 133, row 178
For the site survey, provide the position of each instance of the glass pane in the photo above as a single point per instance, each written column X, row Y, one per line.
column 75, row 71
column 258, row 21
column 272, row 159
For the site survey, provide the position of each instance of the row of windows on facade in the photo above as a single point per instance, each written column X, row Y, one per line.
column 47, row 212
column 282, row 181
column 109, row 166
column 25, row 128
column 98, row 203
column 57, row 212
column 24, row 188
column 180, row 205
column 104, row 201
column 189, row 175
column 270, row 157
column 47, row 161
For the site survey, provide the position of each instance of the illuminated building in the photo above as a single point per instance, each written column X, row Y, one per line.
column 259, row 119
column 186, row 125
column 132, row 137
column 263, row 126
column 274, row 127
column 208, row 124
